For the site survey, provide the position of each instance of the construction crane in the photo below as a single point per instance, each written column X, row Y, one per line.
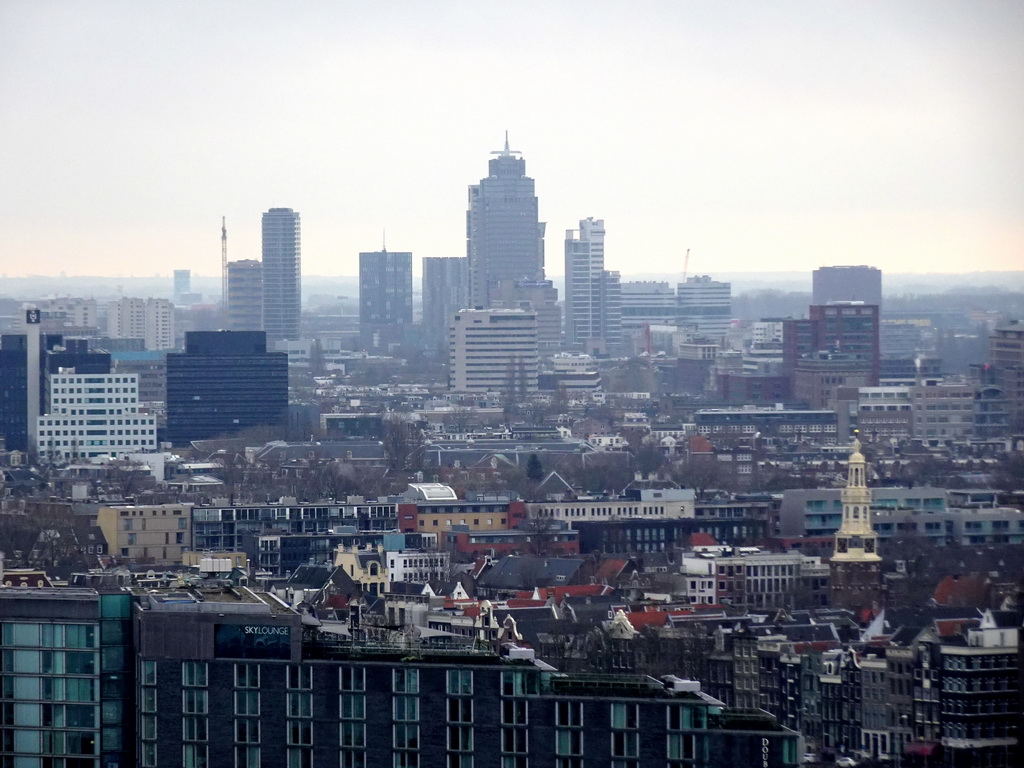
column 224, row 264
column 686, row 264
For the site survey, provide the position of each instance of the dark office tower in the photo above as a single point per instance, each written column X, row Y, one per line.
column 504, row 239
column 245, row 295
column 593, row 295
column 282, row 274
column 847, row 284
column 225, row 381
column 14, row 396
column 445, row 292
column 385, row 297
column 56, row 354
column 182, row 283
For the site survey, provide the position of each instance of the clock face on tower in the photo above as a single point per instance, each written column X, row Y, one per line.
column 841, row 545
column 856, row 542
column 869, row 545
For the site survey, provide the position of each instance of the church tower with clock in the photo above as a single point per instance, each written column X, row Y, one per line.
column 856, row 566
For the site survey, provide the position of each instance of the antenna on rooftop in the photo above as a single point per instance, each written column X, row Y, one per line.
column 224, row 264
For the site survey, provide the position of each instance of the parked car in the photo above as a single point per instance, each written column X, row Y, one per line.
column 845, row 762
column 809, row 758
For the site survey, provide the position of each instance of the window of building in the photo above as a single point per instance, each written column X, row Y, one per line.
column 193, row 674
column 300, row 677
column 194, row 701
column 460, row 682
column 405, row 681
column 247, row 675
column 352, row 679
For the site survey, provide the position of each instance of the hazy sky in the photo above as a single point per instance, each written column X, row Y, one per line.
column 762, row 135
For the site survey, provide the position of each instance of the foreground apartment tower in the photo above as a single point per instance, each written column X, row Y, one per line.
column 504, row 239
column 282, row 274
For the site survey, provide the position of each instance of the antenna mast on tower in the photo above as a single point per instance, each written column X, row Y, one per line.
column 224, row 264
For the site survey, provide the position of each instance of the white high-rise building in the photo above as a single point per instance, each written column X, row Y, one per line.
column 148, row 319
column 282, row 274
column 493, row 350
column 94, row 415
column 593, row 299
column 706, row 305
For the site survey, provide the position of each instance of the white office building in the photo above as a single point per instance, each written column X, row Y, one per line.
column 706, row 305
column 493, row 350
column 93, row 416
column 417, row 566
column 647, row 303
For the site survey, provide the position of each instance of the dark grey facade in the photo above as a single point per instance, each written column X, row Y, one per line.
column 224, row 382
column 445, row 292
column 504, row 237
column 57, row 353
column 385, row 297
column 227, row 686
column 282, row 274
column 847, row 284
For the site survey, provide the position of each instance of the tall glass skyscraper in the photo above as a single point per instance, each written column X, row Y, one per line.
column 385, row 297
column 445, row 282
column 504, row 239
column 282, row 274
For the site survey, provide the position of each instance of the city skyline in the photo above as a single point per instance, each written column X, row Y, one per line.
column 792, row 135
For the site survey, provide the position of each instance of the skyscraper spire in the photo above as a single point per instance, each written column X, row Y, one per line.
column 224, row 264
column 506, row 141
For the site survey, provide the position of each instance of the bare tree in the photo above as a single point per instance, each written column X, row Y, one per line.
column 403, row 443
column 698, row 472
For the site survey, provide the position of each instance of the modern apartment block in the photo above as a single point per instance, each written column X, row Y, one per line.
column 593, row 296
column 147, row 533
column 149, row 319
column 94, row 415
column 494, row 350
column 245, row 295
column 224, row 382
column 504, row 236
column 445, row 292
column 282, row 274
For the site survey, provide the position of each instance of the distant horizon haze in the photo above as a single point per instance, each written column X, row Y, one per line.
column 791, row 134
